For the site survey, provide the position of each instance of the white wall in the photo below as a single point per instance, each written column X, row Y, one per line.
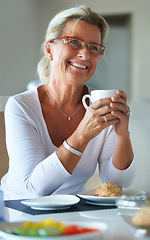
column 18, row 54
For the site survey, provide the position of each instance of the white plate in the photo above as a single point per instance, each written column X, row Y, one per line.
column 50, row 208
column 89, row 196
column 51, row 202
column 101, row 203
column 103, row 227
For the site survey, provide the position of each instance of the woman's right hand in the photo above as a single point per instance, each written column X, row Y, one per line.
column 93, row 121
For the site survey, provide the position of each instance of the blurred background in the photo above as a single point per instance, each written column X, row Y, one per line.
column 125, row 66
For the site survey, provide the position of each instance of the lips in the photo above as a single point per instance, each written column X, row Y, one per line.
column 78, row 65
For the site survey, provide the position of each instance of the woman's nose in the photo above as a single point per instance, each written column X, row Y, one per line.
column 84, row 52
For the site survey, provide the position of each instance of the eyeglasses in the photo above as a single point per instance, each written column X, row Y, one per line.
column 77, row 43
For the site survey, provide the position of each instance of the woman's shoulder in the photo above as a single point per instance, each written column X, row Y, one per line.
column 25, row 96
column 24, row 100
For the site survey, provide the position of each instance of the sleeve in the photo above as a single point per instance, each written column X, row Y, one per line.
column 35, row 173
column 107, row 171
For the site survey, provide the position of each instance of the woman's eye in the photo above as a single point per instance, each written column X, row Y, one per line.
column 75, row 42
column 93, row 48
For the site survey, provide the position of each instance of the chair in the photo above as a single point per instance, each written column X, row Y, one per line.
column 3, row 152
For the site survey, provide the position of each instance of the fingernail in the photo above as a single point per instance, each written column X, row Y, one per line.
column 113, row 98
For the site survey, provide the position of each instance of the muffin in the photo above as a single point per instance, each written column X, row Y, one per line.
column 108, row 189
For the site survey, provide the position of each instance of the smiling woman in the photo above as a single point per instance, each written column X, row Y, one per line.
column 57, row 143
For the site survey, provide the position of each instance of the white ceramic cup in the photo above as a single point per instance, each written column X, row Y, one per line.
column 98, row 94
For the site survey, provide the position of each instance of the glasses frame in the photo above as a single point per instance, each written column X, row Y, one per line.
column 65, row 39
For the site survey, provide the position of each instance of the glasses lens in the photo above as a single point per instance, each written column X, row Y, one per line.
column 93, row 48
column 75, row 43
column 96, row 49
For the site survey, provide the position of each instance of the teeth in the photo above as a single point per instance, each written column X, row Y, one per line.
column 78, row 65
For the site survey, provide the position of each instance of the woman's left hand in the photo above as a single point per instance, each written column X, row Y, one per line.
column 121, row 111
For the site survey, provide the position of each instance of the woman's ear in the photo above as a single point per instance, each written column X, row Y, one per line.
column 48, row 51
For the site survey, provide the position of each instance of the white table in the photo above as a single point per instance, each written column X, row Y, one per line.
column 118, row 229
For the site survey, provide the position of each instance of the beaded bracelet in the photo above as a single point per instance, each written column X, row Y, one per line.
column 68, row 147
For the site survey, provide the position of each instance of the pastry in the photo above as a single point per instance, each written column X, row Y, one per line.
column 108, row 189
column 142, row 217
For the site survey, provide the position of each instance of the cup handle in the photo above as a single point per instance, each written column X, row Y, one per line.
column 84, row 98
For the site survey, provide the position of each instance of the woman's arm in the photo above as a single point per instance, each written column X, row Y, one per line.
column 35, row 172
column 123, row 153
column 108, row 172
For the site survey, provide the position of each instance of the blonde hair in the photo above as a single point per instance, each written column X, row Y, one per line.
column 56, row 28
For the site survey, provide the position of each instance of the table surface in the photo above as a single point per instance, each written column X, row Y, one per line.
column 118, row 229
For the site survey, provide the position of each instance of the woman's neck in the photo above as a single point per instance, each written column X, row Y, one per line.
column 66, row 94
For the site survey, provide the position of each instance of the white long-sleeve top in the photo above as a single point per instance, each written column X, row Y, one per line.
column 34, row 167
